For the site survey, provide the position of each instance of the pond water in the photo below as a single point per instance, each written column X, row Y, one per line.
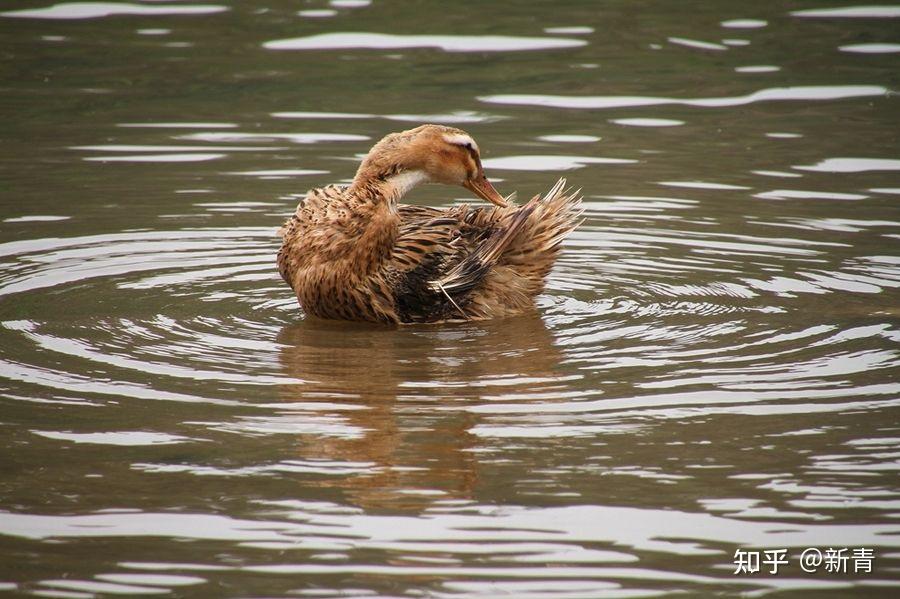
column 713, row 367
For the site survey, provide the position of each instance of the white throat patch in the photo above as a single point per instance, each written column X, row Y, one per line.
column 403, row 182
column 458, row 139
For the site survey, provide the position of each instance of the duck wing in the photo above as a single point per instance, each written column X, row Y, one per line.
column 441, row 256
column 430, row 242
column 502, row 272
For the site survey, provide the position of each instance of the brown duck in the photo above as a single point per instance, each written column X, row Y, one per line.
column 354, row 253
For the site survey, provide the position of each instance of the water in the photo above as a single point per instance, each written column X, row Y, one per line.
column 713, row 366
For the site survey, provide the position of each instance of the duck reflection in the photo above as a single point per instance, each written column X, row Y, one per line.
column 412, row 384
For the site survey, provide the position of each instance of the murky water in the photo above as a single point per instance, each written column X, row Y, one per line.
column 713, row 367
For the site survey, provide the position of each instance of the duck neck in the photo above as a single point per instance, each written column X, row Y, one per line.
column 397, row 186
column 388, row 185
column 378, row 196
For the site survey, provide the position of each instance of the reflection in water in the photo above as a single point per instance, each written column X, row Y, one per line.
column 450, row 118
column 549, row 163
column 447, row 43
column 871, row 48
column 744, row 23
column 412, row 436
column 699, row 45
column 93, row 10
column 797, row 93
column 852, row 12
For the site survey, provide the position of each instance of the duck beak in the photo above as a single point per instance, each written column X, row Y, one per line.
column 481, row 187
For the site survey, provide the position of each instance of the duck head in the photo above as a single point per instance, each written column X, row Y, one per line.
column 427, row 154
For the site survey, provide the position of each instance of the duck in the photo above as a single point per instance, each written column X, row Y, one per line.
column 354, row 252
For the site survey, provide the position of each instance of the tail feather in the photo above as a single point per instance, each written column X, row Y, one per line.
column 469, row 272
column 528, row 242
column 555, row 217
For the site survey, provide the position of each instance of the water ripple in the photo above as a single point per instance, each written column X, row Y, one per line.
column 588, row 543
column 712, row 364
column 447, row 43
column 853, row 12
column 94, row 10
column 796, row 93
